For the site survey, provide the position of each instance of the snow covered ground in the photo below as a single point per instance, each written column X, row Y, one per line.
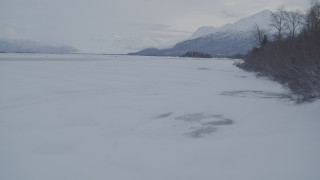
column 81, row 117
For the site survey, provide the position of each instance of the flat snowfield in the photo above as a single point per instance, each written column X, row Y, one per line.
column 85, row 117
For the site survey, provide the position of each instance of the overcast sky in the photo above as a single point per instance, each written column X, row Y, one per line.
column 120, row 26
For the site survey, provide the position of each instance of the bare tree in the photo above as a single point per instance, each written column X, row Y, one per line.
column 294, row 20
column 260, row 35
column 278, row 21
column 313, row 16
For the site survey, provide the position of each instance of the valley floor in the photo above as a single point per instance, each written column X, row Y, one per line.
column 80, row 117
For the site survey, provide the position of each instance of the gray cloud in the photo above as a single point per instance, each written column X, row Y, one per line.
column 117, row 23
column 229, row 15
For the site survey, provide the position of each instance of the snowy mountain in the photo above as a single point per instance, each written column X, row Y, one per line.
column 227, row 40
column 26, row 46
column 262, row 18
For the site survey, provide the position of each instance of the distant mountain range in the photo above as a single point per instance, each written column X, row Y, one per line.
column 26, row 46
column 230, row 39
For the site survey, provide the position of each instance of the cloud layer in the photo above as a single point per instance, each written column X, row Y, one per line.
column 119, row 26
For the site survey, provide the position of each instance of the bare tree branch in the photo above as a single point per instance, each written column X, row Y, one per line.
column 278, row 21
column 260, row 35
column 294, row 21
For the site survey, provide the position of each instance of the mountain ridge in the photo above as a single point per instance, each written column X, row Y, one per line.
column 28, row 46
column 227, row 40
column 244, row 24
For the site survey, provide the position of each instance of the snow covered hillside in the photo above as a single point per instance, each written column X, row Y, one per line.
column 80, row 117
column 263, row 19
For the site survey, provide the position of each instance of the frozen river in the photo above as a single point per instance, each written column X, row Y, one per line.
column 81, row 117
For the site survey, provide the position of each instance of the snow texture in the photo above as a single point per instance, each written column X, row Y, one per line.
column 80, row 117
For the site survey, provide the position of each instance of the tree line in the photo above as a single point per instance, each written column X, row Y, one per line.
column 292, row 55
column 196, row 54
